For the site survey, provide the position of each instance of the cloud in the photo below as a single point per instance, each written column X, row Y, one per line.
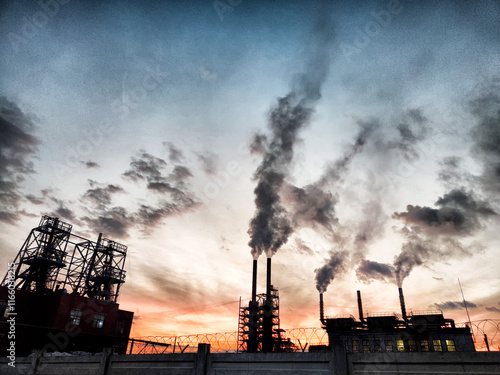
column 18, row 145
column 174, row 154
column 101, row 195
column 454, row 305
column 91, row 164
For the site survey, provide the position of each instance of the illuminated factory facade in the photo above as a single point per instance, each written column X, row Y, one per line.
column 421, row 331
column 60, row 293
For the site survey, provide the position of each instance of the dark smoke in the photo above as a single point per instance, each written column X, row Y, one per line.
column 271, row 225
column 333, row 266
column 454, row 305
column 369, row 270
column 433, row 233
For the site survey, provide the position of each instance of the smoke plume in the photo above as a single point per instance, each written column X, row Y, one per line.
column 369, row 270
column 333, row 266
column 271, row 225
column 433, row 234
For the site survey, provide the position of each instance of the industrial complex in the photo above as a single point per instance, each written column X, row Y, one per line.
column 66, row 289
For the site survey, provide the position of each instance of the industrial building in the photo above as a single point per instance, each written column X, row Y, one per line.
column 420, row 331
column 61, row 291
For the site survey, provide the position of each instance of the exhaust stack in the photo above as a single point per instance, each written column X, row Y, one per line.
column 268, row 284
column 254, row 283
column 402, row 303
column 360, row 308
column 321, row 309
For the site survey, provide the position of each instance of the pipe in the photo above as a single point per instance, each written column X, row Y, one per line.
column 402, row 303
column 321, row 309
column 360, row 308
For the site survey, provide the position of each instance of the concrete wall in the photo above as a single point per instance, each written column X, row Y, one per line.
column 206, row 363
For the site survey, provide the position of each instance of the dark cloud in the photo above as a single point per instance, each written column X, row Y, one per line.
column 454, row 305
column 18, row 145
column 91, row 164
column 493, row 309
column 174, row 154
column 145, row 167
column 369, row 270
column 115, row 221
column 34, row 200
column 101, row 195
column 459, row 212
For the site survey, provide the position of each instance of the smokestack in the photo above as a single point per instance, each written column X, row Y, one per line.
column 254, row 283
column 268, row 284
column 321, row 309
column 360, row 308
column 402, row 302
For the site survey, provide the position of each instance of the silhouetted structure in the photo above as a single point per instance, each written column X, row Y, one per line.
column 64, row 306
column 421, row 331
column 259, row 323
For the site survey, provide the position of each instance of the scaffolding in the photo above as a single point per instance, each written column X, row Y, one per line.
column 95, row 269
column 266, row 325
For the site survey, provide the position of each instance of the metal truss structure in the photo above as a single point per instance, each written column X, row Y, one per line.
column 302, row 338
column 95, row 269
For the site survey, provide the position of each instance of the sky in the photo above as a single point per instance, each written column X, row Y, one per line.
column 357, row 143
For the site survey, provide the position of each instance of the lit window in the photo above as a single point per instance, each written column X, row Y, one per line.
column 412, row 345
column 75, row 317
column 424, row 345
column 376, row 346
column 366, row 346
column 437, row 345
column 400, row 345
column 450, row 345
column 388, row 345
column 355, row 346
column 98, row 320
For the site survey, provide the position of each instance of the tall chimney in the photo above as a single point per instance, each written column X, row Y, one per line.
column 268, row 284
column 402, row 303
column 252, row 337
column 321, row 309
column 254, row 283
column 360, row 308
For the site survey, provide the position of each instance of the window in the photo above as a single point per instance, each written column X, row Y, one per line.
column 366, row 346
column 400, row 345
column 98, row 320
column 355, row 346
column 75, row 317
column 437, row 345
column 450, row 345
column 412, row 345
column 424, row 345
column 388, row 345
column 376, row 346
column 120, row 327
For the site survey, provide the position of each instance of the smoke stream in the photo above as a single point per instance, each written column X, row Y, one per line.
column 271, row 226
